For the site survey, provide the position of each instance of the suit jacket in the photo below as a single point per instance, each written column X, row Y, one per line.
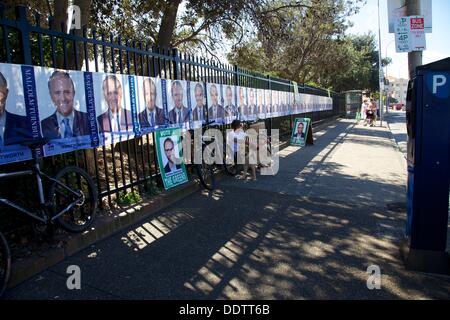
column 50, row 125
column 184, row 115
column 195, row 114
column 159, row 118
column 252, row 110
column 104, row 124
column 243, row 110
column 230, row 111
column 302, row 135
column 220, row 112
column 167, row 168
column 17, row 129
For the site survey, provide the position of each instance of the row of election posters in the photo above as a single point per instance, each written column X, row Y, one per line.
column 78, row 110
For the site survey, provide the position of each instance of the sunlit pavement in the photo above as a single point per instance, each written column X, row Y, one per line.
column 310, row 232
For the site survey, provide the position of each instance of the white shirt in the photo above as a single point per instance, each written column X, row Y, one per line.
column 114, row 119
column 239, row 135
column 173, row 167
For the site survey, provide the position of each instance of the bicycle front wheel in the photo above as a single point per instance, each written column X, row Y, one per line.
column 5, row 264
column 74, row 192
column 205, row 173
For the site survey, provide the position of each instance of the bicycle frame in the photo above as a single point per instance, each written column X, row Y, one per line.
column 39, row 175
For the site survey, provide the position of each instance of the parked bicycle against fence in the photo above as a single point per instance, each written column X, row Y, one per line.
column 206, row 169
column 70, row 200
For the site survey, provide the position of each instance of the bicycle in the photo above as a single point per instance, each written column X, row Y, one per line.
column 205, row 169
column 71, row 198
column 5, row 264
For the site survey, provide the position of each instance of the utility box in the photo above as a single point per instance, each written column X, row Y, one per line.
column 428, row 155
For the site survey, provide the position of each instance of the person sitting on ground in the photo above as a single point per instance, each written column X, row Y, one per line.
column 370, row 114
column 237, row 137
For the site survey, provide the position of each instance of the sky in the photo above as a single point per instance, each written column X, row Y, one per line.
column 437, row 42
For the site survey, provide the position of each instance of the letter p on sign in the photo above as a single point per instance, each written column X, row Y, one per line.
column 439, row 80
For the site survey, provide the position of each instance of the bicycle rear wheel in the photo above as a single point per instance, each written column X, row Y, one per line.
column 5, row 264
column 205, row 173
column 77, row 187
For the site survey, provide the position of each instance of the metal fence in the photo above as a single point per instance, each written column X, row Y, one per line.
column 129, row 165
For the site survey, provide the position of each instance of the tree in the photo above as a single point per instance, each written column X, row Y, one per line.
column 309, row 45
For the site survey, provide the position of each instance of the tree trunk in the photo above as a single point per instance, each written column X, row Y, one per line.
column 168, row 24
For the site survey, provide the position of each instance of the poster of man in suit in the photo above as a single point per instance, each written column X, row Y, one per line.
column 261, row 104
column 151, row 114
column 252, row 110
column 198, row 104
column 242, row 103
column 14, row 125
column 216, row 112
column 231, row 111
column 65, row 121
column 275, row 103
column 116, row 118
column 300, row 131
column 62, row 109
column 179, row 112
column 170, row 160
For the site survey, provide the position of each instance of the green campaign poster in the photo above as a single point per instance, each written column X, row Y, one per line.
column 300, row 131
column 170, row 157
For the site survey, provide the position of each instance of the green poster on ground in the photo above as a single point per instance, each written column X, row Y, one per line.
column 300, row 131
column 170, row 157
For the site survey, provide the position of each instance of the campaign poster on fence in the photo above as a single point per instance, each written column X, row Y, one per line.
column 216, row 112
column 151, row 114
column 252, row 110
column 63, row 115
column 114, row 117
column 230, row 108
column 170, row 157
column 177, row 104
column 15, row 122
column 261, row 104
column 199, row 113
column 300, row 131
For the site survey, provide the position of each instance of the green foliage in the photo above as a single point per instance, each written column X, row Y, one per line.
column 153, row 188
column 125, row 198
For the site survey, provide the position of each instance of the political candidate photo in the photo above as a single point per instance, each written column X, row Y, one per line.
column 62, row 103
column 242, row 103
column 230, row 107
column 151, row 114
column 199, row 109
column 216, row 111
column 169, row 152
column 115, row 115
column 14, row 126
column 179, row 113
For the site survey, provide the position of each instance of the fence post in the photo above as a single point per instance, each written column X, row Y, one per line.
column 271, row 105
column 24, row 27
column 176, row 67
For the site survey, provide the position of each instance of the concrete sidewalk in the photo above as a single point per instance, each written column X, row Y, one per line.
column 310, row 232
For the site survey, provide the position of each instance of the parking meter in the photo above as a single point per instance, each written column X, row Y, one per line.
column 428, row 155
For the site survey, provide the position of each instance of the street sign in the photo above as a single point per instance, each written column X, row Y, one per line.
column 397, row 9
column 410, row 34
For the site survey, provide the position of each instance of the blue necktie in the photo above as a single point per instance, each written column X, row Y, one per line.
column 179, row 117
column 152, row 119
column 67, row 130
